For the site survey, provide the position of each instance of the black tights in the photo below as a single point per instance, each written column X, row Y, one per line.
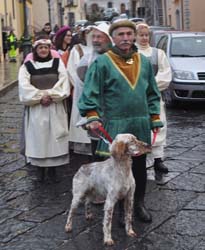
column 95, row 157
column 140, row 175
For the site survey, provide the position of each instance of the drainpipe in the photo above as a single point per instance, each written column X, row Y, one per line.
column 182, row 13
column 49, row 11
column 26, row 39
column 5, row 11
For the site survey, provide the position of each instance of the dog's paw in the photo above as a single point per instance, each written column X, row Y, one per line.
column 131, row 233
column 109, row 242
column 89, row 216
column 68, row 228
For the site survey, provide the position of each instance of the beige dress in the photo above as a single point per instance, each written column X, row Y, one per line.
column 78, row 138
column 163, row 79
column 45, row 128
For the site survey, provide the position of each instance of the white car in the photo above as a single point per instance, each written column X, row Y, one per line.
column 81, row 22
column 186, row 54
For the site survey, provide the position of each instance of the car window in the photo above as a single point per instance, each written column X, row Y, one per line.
column 162, row 44
column 164, row 47
column 157, row 38
column 188, row 46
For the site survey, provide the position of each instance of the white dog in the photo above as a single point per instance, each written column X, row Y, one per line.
column 111, row 179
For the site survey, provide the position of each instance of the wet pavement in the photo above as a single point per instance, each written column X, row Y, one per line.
column 33, row 215
column 8, row 73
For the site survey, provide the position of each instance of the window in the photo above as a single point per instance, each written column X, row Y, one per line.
column 109, row 4
column 70, row 2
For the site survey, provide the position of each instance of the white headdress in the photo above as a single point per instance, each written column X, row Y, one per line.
column 42, row 41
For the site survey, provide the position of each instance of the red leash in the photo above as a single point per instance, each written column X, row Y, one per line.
column 154, row 137
column 108, row 137
column 104, row 132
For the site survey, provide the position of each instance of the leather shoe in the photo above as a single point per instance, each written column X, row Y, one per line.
column 142, row 213
column 160, row 167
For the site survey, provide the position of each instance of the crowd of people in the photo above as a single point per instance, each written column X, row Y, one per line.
column 72, row 84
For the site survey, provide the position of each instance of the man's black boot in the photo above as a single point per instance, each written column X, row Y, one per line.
column 159, row 166
column 142, row 213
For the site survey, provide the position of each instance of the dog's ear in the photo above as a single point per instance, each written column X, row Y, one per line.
column 118, row 149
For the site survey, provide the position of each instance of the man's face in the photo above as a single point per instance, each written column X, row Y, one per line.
column 100, row 41
column 47, row 29
column 123, row 38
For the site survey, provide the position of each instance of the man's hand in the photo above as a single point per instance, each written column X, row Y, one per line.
column 93, row 125
column 46, row 100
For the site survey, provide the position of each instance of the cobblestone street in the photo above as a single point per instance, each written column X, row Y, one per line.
column 33, row 215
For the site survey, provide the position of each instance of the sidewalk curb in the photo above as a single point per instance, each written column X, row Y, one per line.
column 7, row 87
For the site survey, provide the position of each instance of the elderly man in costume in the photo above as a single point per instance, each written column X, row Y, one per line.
column 43, row 86
column 121, row 93
column 98, row 41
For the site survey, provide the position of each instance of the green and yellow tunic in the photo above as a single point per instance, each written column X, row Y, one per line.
column 123, row 94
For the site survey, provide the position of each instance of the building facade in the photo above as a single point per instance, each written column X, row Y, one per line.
column 41, row 14
column 12, row 18
column 92, row 6
column 181, row 14
column 60, row 12
column 73, row 10
column 184, row 14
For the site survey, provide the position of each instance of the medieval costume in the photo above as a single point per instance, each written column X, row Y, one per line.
column 162, row 72
column 163, row 76
column 78, row 138
column 121, row 93
column 128, row 96
column 77, row 67
column 45, row 127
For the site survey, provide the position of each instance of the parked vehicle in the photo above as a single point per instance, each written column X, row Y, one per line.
column 109, row 13
column 161, row 28
column 121, row 16
column 99, row 22
column 186, row 54
column 155, row 35
column 137, row 19
column 81, row 22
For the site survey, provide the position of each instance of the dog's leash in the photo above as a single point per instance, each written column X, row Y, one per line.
column 154, row 137
column 107, row 139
